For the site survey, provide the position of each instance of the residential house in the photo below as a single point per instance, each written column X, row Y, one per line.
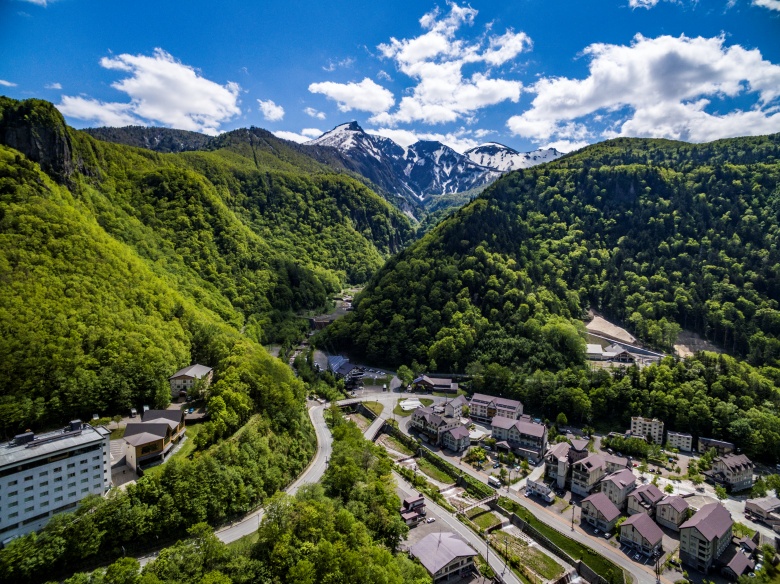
column 431, row 424
column 641, row 533
column 42, row 475
column 735, row 563
column 735, row 471
column 444, row 556
column 600, row 512
column 679, row 440
column 644, row 499
column 425, row 383
column 524, row 436
column 671, row 512
column 559, row 459
column 454, row 407
column 617, row 486
column 648, row 428
column 184, row 380
column 721, row 446
column 483, row 408
column 153, row 437
column 586, row 473
column 413, row 509
column 767, row 508
column 456, row 439
column 705, row 536
column 540, row 489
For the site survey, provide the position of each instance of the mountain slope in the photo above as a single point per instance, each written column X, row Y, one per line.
column 114, row 269
column 503, row 158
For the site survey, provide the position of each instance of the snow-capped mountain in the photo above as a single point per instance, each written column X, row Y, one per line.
column 503, row 158
column 427, row 167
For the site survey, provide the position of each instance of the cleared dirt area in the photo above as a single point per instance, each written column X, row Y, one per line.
column 601, row 326
column 689, row 343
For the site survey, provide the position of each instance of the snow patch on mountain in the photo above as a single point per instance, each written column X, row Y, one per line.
column 503, row 158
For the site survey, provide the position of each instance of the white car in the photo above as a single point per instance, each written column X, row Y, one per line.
column 430, row 520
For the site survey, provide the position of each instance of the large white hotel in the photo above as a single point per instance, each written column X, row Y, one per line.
column 46, row 474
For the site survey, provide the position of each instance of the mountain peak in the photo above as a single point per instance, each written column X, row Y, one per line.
column 504, row 158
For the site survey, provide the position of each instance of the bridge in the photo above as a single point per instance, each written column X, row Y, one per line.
column 484, row 501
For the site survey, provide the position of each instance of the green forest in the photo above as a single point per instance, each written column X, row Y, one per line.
column 658, row 235
column 120, row 265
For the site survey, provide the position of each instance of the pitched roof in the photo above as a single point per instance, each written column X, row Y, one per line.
column 739, row 563
column 735, row 462
column 137, row 433
column 592, row 461
column 457, row 401
column 560, row 450
column 427, row 414
column 621, row 478
column 172, row 417
column 458, row 432
column 648, row 493
column 603, row 505
column 436, row 550
column 502, row 401
column 645, row 526
column 523, row 426
column 579, row 443
column 712, row 520
column 196, row 371
column 766, row 504
column 678, row 503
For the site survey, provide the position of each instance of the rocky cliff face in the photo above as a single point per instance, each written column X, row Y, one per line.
column 36, row 129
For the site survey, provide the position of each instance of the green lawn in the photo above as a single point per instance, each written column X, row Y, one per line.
column 450, row 394
column 375, row 407
column 435, row 473
column 483, row 519
column 117, row 433
column 244, row 544
column 532, row 558
column 399, row 412
column 396, row 445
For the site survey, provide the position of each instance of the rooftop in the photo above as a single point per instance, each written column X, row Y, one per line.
column 499, row 401
column 436, row 550
column 735, row 461
column 648, row 493
column 712, row 520
column 621, row 479
column 196, row 371
column 766, row 504
column 459, row 432
column 604, row 506
column 50, row 443
column 678, row 503
column 592, row 461
column 646, row 527
column 526, row 427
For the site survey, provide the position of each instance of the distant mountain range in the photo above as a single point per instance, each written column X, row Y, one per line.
column 426, row 168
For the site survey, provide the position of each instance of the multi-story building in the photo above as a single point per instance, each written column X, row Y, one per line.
column 456, row 439
column 644, row 499
column 559, row 459
column 431, row 424
column 767, row 508
column 49, row 473
column 735, row 471
column 641, row 533
column 671, row 512
column 721, row 446
column 185, row 379
column 154, row 437
column 586, row 473
column 413, row 509
column 705, row 536
column 679, row 440
column 425, row 383
column 600, row 512
column 484, row 408
column 646, row 427
column 617, row 486
column 524, row 437
column 444, row 556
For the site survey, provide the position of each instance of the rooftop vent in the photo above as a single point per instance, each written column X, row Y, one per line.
column 25, row 438
column 75, row 425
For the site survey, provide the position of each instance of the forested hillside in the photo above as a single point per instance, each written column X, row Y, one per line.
column 660, row 235
column 123, row 265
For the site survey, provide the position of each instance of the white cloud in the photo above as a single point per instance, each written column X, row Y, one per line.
column 771, row 4
column 271, row 111
column 5, row 83
column 162, row 90
column 343, row 64
column 436, row 60
column 656, row 88
column 312, row 132
column 459, row 140
column 53, row 86
column 292, row 136
column 565, row 146
column 43, row 3
column 642, row 3
column 384, row 76
column 310, row 111
column 365, row 96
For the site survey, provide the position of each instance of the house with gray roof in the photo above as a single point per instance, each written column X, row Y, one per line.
column 153, row 437
column 444, row 556
column 586, row 473
column 484, row 408
column 617, row 486
column 431, row 424
column 456, row 439
column 443, row 384
column 644, row 499
column 767, row 508
column 671, row 512
column 184, row 380
column 560, row 457
column 641, row 533
column 600, row 512
column 705, row 536
column 524, row 436
column 734, row 471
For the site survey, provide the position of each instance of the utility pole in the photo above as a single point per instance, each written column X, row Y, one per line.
column 572, row 517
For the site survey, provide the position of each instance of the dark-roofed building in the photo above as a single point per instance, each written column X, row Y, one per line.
column 341, row 367
column 721, row 446
column 454, row 407
column 456, row 439
column 184, row 379
column 442, row 384
column 734, row 471
column 153, row 437
column 600, row 512
column 735, row 563
column 586, row 474
column 617, row 486
column 444, row 555
column 560, row 457
column 524, row 436
column 643, row 499
column 705, row 536
column 433, row 425
column 484, row 408
column 641, row 533
column 413, row 509
column 671, row 512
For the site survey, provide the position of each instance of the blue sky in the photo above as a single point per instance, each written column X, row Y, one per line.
column 525, row 73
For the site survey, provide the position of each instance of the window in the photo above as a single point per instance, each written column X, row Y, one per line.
column 56, row 499
column 84, row 461
column 13, row 504
column 95, row 458
column 96, row 477
column 29, row 509
column 14, row 514
column 44, row 483
column 96, row 467
column 44, row 494
column 72, row 465
column 28, row 478
column 12, row 494
column 11, row 483
column 57, row 479
column 28, row 499
column 85, row 490
column 71, row 475
column 57, row 489
column 58, row 469
column 84, row 470
column 71, row 485
column 44, row 473
column 45, row 504
column 30, row 488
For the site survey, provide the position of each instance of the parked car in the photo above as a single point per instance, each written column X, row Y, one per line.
column 192, row 410
column 430, row 520
column 637, row 557
column 497, row 465
column 596, row 531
